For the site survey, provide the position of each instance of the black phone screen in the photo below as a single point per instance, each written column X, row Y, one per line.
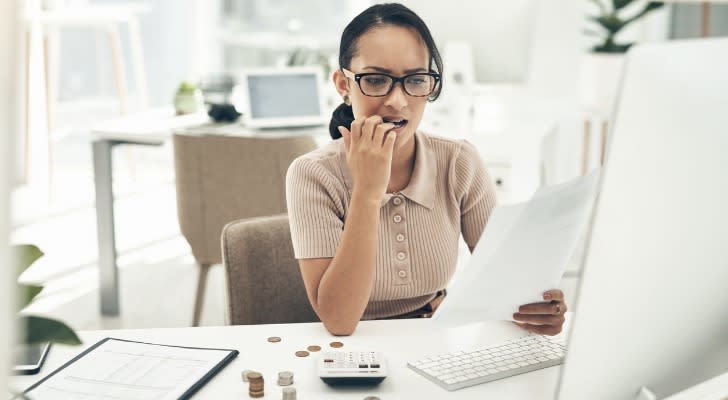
column 29, row 358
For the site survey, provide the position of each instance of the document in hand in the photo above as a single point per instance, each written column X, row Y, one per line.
column 521, row 254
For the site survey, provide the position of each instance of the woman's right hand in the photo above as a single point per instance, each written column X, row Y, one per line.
column 369, row 151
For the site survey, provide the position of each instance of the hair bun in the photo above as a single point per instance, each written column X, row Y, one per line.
column 343, row 115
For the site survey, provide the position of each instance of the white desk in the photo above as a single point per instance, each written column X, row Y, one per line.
column 151, row 128
column 399, row 340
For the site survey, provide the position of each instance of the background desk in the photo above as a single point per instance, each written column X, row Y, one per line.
column 149, row 129
column 399, row 340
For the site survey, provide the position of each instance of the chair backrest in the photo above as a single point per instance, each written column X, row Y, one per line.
column 222, row 178
column 263, row 283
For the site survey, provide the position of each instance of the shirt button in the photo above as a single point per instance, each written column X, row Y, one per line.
column 401, row 256
column 397, row 201
column 400, row 237
column 397, row 218
column 402, row 274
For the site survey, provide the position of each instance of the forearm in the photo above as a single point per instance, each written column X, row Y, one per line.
column 345, row 287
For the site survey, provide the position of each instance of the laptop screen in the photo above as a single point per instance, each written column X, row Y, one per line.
column 284, row 97
column 275, row 96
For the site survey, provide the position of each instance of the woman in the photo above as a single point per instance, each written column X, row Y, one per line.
column 376, row 215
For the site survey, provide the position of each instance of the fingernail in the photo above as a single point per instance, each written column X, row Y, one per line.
column 516, row 317
column 547, row 296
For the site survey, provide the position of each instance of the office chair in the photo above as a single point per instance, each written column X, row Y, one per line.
column 263, row 284
column 220, row 179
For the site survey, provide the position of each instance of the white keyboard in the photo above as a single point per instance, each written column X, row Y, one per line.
column 462, row 369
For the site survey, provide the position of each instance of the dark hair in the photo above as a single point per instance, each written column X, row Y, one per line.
column 375, row 16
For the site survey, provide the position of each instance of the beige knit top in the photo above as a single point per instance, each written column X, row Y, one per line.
column 450, row 193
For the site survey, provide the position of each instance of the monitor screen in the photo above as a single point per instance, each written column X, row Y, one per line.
column 280, row 96
column 651, row 307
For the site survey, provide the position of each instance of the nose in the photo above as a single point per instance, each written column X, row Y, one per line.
column 397, row 98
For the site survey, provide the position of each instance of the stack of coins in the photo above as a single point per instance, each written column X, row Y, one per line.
column 285, row 378
column 245, row 373
column 255, row 385
column 289, row 393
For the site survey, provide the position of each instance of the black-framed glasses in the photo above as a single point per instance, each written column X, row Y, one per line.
column 377, row 84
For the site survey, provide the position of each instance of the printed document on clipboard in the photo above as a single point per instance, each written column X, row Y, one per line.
column 522, row 253
column 124, row 369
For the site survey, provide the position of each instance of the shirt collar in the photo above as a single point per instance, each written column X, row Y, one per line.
column 421, row 187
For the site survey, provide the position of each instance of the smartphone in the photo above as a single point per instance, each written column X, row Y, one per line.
column 29, row 358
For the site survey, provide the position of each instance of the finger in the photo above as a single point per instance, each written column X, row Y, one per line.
column 346, row 134
column 356, row 127
column 539, row 319
column 553, row 294
column 553, row 307
column 389, row 143
column 369, row 126
column 550, row 330
column 380, row 132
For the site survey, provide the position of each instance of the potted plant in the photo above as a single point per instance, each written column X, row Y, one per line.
column 36, row 329
column 602, row 66
column 188, row 99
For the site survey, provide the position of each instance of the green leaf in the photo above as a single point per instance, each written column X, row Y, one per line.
column 25, row 255
column 620, row 4
column 40, row 329
column 590, row 32
column 611, row 23
column 649, row 7
column 26, row 294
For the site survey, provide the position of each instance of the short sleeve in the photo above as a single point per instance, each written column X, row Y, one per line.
column 315, row 211
column 475, row 190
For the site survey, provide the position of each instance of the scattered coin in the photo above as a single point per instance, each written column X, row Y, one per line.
column 274, row 339
column 285, row 378
column 336, row 345
column 289, row 393
column 302, row 353
column 314, row 348
column 371, row 398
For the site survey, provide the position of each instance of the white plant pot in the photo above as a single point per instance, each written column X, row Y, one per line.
column 600, row 74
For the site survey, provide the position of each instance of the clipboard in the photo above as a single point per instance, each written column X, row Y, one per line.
column 214, row 361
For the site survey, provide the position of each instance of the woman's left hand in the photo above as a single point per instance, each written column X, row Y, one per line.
column 545, row 318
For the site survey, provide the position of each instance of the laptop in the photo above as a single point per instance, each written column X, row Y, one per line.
column 286, row 97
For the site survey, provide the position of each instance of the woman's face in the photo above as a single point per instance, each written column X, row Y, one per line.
column 396, row 51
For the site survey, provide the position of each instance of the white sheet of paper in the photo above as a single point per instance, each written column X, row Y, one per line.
column 130, row 370
column 521, row 254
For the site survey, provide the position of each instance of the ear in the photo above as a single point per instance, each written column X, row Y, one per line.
column 340, row 82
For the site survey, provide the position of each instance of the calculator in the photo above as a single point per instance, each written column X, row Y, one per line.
column 351, row 368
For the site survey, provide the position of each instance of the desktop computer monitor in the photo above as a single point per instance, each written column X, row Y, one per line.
column 652, row 306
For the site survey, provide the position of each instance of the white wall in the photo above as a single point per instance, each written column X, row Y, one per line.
column 498, row 31
column 9, row 38
column 170, row 39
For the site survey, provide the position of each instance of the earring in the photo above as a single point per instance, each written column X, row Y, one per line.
column 347, row 100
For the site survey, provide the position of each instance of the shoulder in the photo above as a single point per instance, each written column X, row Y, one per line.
column 321, row 164
column 451, row 150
